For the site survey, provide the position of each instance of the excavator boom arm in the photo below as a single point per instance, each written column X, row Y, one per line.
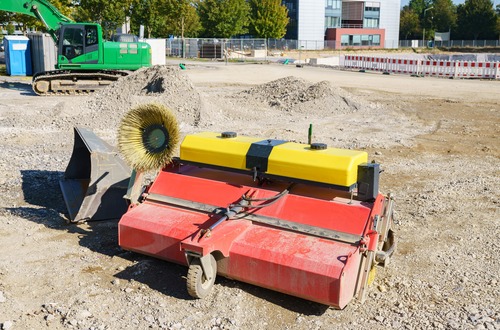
column 41, row 9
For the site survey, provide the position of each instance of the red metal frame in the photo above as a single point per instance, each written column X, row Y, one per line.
column 316, row 268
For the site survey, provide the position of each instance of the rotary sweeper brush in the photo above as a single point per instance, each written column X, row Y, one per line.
column 302, row 219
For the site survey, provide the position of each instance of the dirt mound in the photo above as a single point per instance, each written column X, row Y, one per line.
column 297, row 95
column 158, row 84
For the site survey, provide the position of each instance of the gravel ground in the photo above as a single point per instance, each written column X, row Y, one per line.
column 437, row 140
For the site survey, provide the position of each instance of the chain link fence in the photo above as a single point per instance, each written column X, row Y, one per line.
column 449, row 43
column 239, row 48
column 213, row 48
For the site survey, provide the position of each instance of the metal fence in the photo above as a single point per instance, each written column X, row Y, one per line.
column 218, row 48
column 212, row 48
column 449, row 43
column 232, row 48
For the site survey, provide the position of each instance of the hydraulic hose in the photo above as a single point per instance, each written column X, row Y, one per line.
column 244, row 204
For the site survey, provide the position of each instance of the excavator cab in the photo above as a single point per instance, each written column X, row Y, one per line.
column 82, row 47
column 77, row 40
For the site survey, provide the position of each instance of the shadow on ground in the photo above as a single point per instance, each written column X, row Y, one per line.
column 41, row 190
column 24, row 88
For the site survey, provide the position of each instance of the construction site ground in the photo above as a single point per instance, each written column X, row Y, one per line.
column 438, row 141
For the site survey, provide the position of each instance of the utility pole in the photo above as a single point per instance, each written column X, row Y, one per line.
column 182, row 38
column 423, row 34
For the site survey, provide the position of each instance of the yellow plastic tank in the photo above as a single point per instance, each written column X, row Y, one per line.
column 288, row 159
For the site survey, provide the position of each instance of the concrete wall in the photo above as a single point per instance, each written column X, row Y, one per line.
column 311, row 19
column 158, row 49
column 331, row 61
column 389, row 20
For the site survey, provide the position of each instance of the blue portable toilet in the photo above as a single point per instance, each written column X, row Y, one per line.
column 17, row 55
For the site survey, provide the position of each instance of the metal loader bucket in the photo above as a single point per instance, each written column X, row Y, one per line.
column 95, row 180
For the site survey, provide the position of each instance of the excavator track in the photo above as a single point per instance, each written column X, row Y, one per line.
column 68, row 82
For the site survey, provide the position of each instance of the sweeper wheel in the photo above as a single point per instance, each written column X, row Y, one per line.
column 198, row 286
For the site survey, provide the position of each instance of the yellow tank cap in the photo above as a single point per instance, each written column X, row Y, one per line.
column 331, row 166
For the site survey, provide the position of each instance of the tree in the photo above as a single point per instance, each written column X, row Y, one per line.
column 498, row 27
column 476, row 18
column 498, row 20
column 147, row 13
column 419, row 6
column 268, row 19
column 179, row 19
column 162, row 18
column 109, row 14
column 223, row 18
column 5, row 18
column 409, row 24
column 444, row 16
column 10, row 28
column 422, row 8
column 29, row 22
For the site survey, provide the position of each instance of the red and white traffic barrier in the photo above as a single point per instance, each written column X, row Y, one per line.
column 450, row 69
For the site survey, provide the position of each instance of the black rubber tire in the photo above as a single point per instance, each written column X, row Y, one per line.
column 197, row 284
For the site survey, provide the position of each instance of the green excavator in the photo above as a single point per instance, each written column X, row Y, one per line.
column 85, row 61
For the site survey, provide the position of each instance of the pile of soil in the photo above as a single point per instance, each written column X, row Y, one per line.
column 166, row 85
column 293, row 94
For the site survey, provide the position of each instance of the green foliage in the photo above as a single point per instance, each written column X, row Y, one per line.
column 29, row 22
column 269, row 18
column 6, row 19
column 472, row 20
column 162, row 18
column 476, row 19
column 223, row 18
column 444, row 16
column 10, row 28
column 425, row 10
column 409, row 24
column 109, row 14
column 418, row 6
column 146, row 13
column 65, row 7
column 179, row 19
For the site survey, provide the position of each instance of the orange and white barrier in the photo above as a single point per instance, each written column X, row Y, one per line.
column 450, row 69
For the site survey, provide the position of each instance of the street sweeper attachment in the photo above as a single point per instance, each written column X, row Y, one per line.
column 306, row 220
column 302, row 219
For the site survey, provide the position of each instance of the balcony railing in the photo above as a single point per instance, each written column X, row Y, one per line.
column 352, row 26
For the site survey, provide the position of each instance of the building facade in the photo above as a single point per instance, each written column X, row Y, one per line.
column 345, row 23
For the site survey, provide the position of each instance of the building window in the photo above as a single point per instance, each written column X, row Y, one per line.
column 333, row 4
column 292, row 29
column 360, row 40
column 332, row 22
column 344, row 40
column 352, row 11
column 370, row 22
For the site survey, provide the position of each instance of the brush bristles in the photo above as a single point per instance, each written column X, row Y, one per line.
column 131, row 141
